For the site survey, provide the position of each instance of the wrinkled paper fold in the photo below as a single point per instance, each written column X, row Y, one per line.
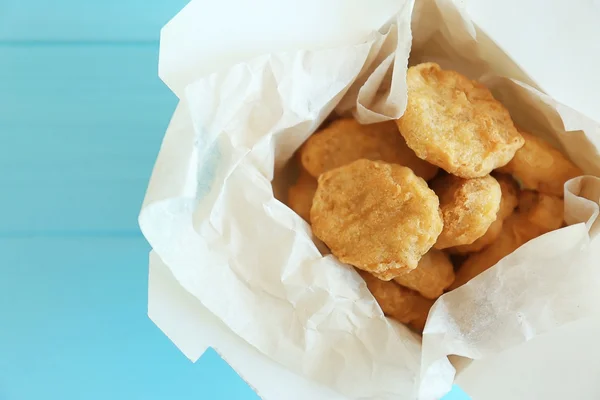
column 211, row 215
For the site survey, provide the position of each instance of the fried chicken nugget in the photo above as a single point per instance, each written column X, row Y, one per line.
column 404, row 305
column 539, row 166
column 469, row 207
column 301, row 194
column 546, row 212
column 434, row 273
column 376, row 216
column 422, row 310
column 488, row 238
column 456, row 123
column 538, row 214
column 345, row 141
column 508, row 202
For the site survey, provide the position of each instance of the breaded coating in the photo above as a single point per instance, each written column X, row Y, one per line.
column 537, row 214
column 422, row 308
column 376, row 216
column 434, row 273
column 469, row 207
column 488, row 238
column 456, row 123
column 510, row 199
column 510, row 195
column 301, row 194
column 546, row 212
column 539, row 166
column 345, row 141
column 404, row 305
column 515, row 232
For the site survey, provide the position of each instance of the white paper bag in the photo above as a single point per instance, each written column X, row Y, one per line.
column 246, row 258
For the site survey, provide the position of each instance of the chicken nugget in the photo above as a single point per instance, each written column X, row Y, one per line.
column 469, row 206
column 510, row 195
column 488, row 238
column 456, row 123
column 539, row 166
column 434, row 273
column 376, row 216
column 345, row 141
column 508, row 203
column 301, row 194
column 404, row 305
column 422, row 310
column 514, row 234
column 538, row 214
column 546, row 212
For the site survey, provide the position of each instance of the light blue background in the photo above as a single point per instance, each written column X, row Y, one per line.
column 82, row 114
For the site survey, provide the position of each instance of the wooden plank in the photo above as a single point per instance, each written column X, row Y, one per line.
column 74, row 326
column 80, row 127
column 85, row 20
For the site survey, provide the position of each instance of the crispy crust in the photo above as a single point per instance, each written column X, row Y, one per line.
column 539, row 166
column 345, row 141
column 488, row 238
column 510, row 195
column 456, row 123
column 469, row 207
column 376, row 216
column 538, row 214
column 510, row 199
column 404, row 305
column 546, row 212
column 434, row 273
column 301, row 194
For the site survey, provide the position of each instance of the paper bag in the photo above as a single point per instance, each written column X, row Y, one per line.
column 213, row 221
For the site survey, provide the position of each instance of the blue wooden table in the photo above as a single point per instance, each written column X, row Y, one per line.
column 82, row 114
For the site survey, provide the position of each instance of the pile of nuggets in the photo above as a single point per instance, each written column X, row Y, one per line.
column 421, row 205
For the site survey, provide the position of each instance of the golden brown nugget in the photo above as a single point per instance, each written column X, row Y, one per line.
column 301, row 194
column 546, row 212
column 469, row 206
column 456, row 123
column 345, row 141
column 404, row 305
column 422, row 309
column 510, row 195
column 516, row 231
column 508, row 202
column 434, row 273
column 539, row 166
column 376, row 216
column 538, row 214
column 488, row 238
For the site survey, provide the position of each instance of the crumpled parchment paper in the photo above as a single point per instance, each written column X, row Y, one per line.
column 211, row 215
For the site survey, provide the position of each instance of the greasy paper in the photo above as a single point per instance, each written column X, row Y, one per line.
column 211, row 216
